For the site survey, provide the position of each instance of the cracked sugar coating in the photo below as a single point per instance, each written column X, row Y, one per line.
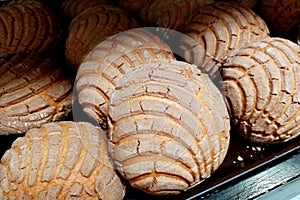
column 27, row 26
column 220, row 28
column 168, row 127
column 280, row 15
column 63, row 160
column 33, row 90
column 108, row 61
column 91, row 27
column 261, row 82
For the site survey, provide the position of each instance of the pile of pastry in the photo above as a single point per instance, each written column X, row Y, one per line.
column 106, row 94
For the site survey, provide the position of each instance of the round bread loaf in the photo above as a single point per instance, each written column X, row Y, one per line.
column 91, row 27
column 28, row 26
column 108, row 61
column 172, row 14
column 63, row 160
column 261, row 82
column 71, row 8
column 33, row 90
column 168, row 127
column 280, row 15
column 220, row 28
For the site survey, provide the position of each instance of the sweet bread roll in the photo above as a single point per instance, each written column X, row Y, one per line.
column 108, row 61
column 33, row 90
column 91, row 27
column 28, row 26
column 220, row 28
column 280, row 15
column 63, row 160
column 71, row 8
column 168, row 127
column 261, row 83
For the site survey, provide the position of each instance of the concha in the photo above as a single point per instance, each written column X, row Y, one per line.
column 62, row 160
column 93, row 26
column 34, row 89
column 168, row 127
column 28, row 26
column 261, row 82
column 220, row 28
column 108, row 61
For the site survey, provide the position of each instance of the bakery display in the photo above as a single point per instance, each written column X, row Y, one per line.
column 102, row 68
column 261, row 83
column 168, row 127
column 34, row 90
column 162, row 121
column 280, row 15
column 91, row 27
column 28, row 26
column 220, row 28
column 62, row 160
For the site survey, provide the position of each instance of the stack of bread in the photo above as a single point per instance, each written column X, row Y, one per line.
column 160, row 102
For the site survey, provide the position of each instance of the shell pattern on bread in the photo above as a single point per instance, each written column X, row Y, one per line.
column 33, row 90
column 63, row 160
column 220, row 28
column 91, row 27
column 168, row 127
column 28, row 26
column 108, row 61
column 261, row 82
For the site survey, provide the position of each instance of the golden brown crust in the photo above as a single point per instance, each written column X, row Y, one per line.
column 33, row 90
column 261, row 82
column 220, row 28
column 64, row 160
column 83, row 36
column 28, row 26
column 168, row 127
column 107, row 62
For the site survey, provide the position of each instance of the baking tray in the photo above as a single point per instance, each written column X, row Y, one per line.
column 242, row 159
